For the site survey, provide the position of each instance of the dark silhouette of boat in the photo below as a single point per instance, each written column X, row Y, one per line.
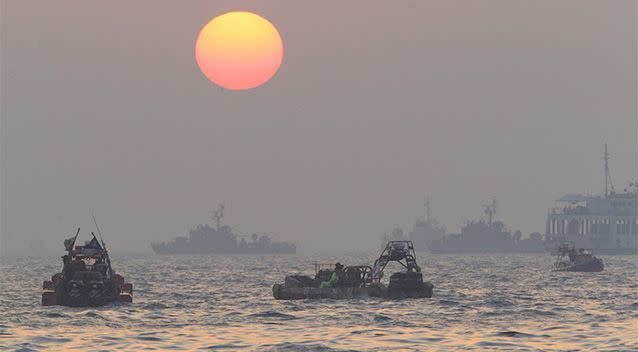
column 220, row 239
column 87, row 278
column 486, row 236
column 339, row 282
column 571, row 259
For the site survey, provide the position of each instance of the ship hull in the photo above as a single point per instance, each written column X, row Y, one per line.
column 617, row 251
column 78, row 293
column 453, row 247
column 593, row 266
column 482, row 251
column 216, row 252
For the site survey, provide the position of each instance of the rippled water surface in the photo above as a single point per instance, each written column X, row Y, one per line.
column 480, row 302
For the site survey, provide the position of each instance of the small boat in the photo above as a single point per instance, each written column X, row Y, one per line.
column 87, row 278
column 336, row 281
column 570, row 259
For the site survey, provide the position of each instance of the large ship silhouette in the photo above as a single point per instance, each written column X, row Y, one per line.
column 486, row 236
column 606, row 223
column 477, row 236
column 220, row 239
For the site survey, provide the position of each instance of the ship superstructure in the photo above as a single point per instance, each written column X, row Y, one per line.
column 607, row 223
column 426, row 230
column 220, row 239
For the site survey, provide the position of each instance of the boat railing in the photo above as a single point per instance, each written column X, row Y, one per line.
column 582, row 210
column 569, row 210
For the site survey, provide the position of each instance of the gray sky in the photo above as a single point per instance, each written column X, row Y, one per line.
column 376, row 104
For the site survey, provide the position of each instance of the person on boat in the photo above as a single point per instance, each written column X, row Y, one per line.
column 94, row 243
column 572, row 254
column 334, row 277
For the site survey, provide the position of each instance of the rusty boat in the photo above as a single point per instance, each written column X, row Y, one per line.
column 87, row 278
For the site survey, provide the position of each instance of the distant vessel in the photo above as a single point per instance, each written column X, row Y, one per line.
column 607, row 223
column 427, row 230
column 570, row 259
column 486, row 236
column 220, row 239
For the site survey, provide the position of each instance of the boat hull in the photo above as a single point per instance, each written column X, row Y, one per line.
column 593, row 266
column 282, row 292
column 77, row 293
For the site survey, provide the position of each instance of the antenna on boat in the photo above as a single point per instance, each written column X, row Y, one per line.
column 608, row 185
column 108, row 259
column 98, row 228
column 490, row 210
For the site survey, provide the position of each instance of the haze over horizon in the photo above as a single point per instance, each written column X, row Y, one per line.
column 375, row 105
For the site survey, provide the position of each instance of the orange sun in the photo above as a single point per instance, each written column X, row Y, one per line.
column 239, row 50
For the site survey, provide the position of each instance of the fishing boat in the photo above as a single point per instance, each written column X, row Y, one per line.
column 344, row 282
column 570, row 259
column 87, row 278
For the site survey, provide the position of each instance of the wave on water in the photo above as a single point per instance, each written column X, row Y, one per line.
column 56, row 315
column 285, row 347
column 381, row 319
column 93, row 314
column 229, row 347
column 273, row 315
column 512, row 333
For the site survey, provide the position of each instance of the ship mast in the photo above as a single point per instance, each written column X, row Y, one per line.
column 490, row 210
column 608, row 185
column 428, row 216
column 219, row 215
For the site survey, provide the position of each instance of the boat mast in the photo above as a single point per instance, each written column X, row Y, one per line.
column 608, row 185
column 106, row 252
column 428, row 216
column 490, row 210
column 219, row 215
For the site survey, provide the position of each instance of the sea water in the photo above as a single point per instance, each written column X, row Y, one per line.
column 481, row 302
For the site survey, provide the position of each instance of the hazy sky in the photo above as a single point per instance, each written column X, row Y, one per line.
column 376, row 104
